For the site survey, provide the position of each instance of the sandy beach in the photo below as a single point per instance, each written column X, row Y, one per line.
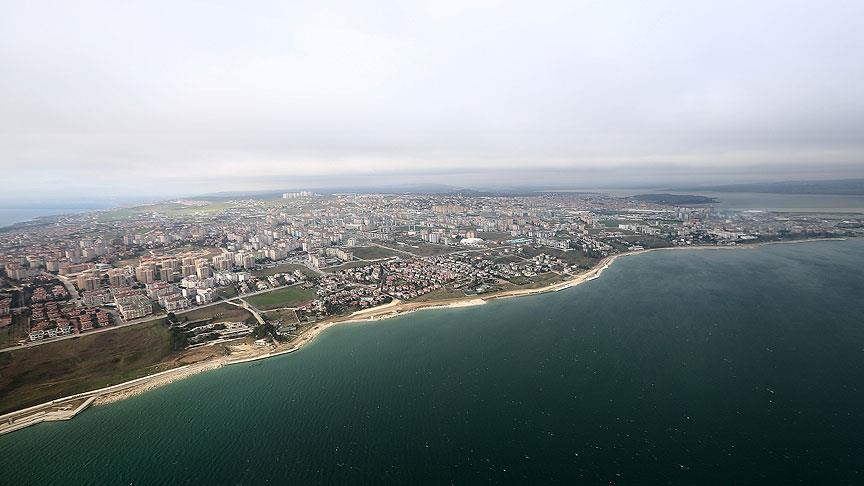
column 68, row 407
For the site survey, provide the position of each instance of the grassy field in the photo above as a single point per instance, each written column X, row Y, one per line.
column 168, row 209
column 284, row 315
column 346, row 266
column 509, row 259
column 126, row 262
column 543, row 280
column 647, row 241
column 287, row 297
column 440, row 294
column 10, row 335
column 53, row 370
column 374, row 252
column 284, row 268
column 218, row 312
column 226, row 292
column 572, row 257
column 421, row 249
column 613, row 223
column 494, row 235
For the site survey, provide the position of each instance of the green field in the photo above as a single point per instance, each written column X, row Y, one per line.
column 167, row 208
column 420, row 249
column 543, row 280
column 10, row 335
column 53, row 370
column 218, row 312
column 647, row 241
column 346, row 266
column 509, row 259
column 284, row 268
column 375, row 252
column 440, row 294
column 226, row 293
column 286, row 297
column 571, row 257
column 494, row 235
column 284, row 315
column 613, row 223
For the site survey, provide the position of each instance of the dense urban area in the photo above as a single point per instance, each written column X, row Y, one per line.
column 295, row 260
column 175, row 277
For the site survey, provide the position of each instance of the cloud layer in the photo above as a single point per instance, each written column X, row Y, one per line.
column 165, row 97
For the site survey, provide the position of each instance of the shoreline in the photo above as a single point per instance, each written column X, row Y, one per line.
column 66, row 408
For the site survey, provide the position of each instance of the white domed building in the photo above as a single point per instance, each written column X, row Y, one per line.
column 471, row 242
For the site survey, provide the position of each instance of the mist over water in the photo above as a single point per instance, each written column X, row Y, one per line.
column 682, row 367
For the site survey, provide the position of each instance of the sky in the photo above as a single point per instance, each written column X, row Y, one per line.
column 188, row 97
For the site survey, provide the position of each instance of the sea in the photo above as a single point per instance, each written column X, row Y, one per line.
column 10, row 216
column 716, row 366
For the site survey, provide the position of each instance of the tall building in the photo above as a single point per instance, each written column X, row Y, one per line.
column 145, row 274
column 248, row 261
column 204, row 271
column 118, row 278
column 89, row 281
column 221, row 263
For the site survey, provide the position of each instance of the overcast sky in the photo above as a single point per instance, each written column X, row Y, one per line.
column 179, row 97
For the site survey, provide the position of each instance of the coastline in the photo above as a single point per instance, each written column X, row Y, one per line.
column 67, row 408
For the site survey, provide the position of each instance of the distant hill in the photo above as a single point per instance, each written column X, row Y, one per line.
column 845, row 187
column 672, row 199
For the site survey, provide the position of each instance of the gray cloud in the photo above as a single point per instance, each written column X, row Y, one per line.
column 164, row 97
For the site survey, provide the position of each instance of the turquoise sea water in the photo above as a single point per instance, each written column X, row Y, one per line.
column 680, row 367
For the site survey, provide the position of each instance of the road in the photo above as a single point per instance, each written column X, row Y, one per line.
column 252, row 310
column 73, row 292
column 305, row 263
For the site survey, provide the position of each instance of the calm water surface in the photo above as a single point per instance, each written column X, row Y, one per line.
column 18, row 215
column 684, row 367
column 12, row 216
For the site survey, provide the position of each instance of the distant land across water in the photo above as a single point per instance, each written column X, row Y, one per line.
column 847, row 187
column 673, row 199
column 753, row 201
